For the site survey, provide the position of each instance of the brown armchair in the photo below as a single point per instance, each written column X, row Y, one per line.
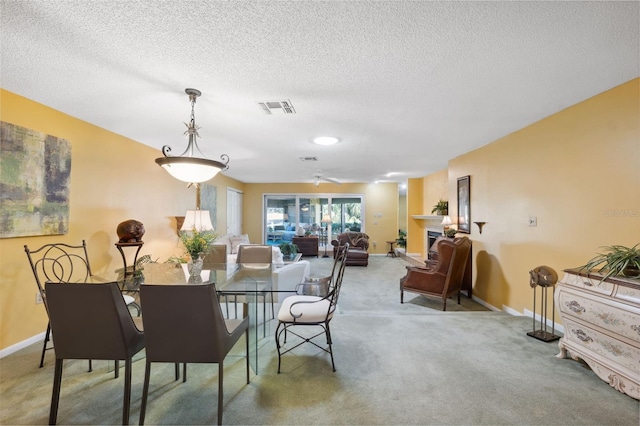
column 445, row 278
column 358, row 246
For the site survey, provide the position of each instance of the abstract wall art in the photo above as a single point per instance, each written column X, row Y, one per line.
column 35, row 171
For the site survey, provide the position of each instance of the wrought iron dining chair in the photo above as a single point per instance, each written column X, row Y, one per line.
column 91, row 321
column 311, row 311
column 184, row 324
column 56, row 263
column 318, row 286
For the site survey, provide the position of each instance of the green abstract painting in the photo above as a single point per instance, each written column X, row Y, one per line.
column 35, row 171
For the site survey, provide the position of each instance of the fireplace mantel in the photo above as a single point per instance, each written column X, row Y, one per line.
column 427, row 217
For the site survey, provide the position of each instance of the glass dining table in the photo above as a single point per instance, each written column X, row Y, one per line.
column 251, row 281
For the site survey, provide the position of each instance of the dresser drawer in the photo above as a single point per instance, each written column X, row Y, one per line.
column 628, row 294
column 613, row 316
column 600, row 345
column 587, row 283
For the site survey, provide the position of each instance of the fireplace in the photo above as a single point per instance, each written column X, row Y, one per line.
column 432, row 236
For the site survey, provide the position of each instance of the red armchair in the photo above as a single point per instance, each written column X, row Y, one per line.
column 445, row 278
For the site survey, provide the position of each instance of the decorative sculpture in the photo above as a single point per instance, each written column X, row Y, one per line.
column 130, row 231
column 545, row 277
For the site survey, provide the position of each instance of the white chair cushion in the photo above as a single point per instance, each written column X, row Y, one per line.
column 311, row 312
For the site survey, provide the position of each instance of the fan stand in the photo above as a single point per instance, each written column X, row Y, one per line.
column 542, row 333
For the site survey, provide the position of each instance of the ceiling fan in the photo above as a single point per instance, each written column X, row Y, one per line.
column 319, row 177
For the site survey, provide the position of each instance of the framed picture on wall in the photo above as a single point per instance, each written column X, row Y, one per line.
column 464, row 205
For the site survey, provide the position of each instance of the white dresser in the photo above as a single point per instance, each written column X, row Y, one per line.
column 602, row 326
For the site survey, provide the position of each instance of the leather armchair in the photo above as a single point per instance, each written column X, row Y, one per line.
column 358, row 246
column 445, row 278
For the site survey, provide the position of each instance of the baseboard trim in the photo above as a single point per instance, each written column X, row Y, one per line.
column 483, row 303
column 21, row 345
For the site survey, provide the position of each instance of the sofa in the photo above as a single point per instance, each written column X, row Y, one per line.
column 286, row 231
column 358, row 246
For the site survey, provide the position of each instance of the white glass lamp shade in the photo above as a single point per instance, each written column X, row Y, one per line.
column 200, row 220
column 326, row 219
column 190, row 169
column 446, row 221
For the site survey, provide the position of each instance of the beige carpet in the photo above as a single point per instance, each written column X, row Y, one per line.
column 396, row 364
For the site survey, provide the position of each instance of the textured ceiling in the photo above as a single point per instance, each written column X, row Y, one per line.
column 405, row 85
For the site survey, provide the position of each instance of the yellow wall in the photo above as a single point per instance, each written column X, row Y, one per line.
column 402, row 212
column 436, row 188
column 577, row 171
column 415, row 206
column 112, row 179
column 380, row 209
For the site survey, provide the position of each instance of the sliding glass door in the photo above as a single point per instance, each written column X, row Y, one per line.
column 288, row 215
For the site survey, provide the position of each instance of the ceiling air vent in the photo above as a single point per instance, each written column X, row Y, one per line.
column 308, row 158
column 277, row 107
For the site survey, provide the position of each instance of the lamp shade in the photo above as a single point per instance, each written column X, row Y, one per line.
column 200, row 220
column 190, row 169
column 446, row 221
column 326, row 219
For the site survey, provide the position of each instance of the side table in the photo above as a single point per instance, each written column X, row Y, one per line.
column 129, row 282
column 391, row 251
column 308, row 246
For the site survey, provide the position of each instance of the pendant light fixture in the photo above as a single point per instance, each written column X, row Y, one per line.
column 186, row 167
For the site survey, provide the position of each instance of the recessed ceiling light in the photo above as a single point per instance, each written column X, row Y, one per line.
column 326, row 140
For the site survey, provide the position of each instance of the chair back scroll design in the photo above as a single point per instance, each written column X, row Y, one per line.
column 91, row 321
column 319, row 286
column 59, row 263
column 306, row 310
column 56, row 263
column 174, row 334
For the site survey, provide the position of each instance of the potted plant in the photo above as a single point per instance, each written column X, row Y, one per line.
column 614, row 261
column 288, row 250
column 402, row 238
column 450, row 233
column 441, row 208
column 196, row 244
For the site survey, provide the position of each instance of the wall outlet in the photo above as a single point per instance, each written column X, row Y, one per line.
column 38, row 298
column 375, row 244
column 533, row 221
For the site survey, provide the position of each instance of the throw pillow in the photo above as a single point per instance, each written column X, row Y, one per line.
column 237, row 240
column 224, row 239
column 276, row 256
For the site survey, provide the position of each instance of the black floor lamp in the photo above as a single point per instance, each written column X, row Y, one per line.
column 326, row 219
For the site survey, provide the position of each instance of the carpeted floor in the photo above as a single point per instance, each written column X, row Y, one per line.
column 396, row 364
